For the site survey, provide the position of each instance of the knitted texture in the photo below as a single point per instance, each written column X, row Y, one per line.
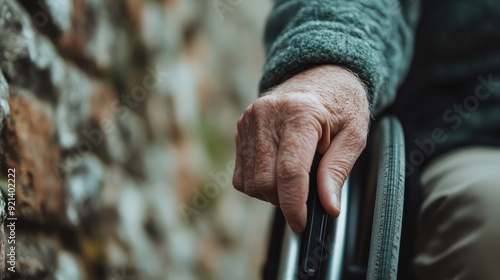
column 373, row 39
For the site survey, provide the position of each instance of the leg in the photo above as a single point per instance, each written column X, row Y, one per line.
column 458, row 233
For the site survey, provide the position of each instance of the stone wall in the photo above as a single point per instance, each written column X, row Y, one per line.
column 118, row 117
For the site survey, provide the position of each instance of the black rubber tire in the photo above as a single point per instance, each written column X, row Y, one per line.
column 389, row 199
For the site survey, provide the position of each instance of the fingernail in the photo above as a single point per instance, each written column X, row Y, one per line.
column 296, row 228
column 334, row 195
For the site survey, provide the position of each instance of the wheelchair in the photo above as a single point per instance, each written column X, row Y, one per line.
column 364, row 241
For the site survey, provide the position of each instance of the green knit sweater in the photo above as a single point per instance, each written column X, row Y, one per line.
column 421, row 60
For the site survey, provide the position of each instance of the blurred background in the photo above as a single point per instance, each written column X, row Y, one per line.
column 118, row 117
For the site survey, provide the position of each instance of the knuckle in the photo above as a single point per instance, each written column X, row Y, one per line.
column 292, row 105
column 300, row 115
column 340, row 170
column 358, row 137
column 303, row 106
column 263, row 111
column 262, row 104
column 248, row 111
column 245, row 118
column 299, row 127
column 288, row 173
column 300, row 98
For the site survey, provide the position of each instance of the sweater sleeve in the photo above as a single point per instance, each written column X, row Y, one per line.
column 372, row 38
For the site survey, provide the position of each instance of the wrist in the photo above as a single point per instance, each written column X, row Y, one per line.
column 335, row 86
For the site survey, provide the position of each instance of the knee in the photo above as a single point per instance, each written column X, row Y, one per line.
column 471, row 193
column 477, row 197
column 457, row 229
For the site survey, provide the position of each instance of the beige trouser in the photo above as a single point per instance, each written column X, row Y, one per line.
column 459, row 222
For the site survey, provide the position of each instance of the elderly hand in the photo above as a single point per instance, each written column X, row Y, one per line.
column 324, row 110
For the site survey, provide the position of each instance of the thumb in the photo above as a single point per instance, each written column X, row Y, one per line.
column 335, row 166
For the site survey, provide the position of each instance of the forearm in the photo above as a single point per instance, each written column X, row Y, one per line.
column 366, row 37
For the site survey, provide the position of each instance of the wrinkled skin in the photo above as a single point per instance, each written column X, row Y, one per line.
column 325, row 110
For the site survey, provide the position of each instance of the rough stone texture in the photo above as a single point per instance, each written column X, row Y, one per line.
column 29, row 147
column 83, row 186
column 119, row 118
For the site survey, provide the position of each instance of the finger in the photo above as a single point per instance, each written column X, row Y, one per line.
column 265, row 162
column 295, row 155
column 243, row 146
column 336, row 165
column 248, row 154
column 238, row 165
